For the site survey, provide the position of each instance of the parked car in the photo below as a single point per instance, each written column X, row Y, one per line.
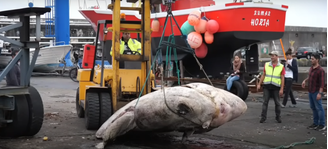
column 306, row 52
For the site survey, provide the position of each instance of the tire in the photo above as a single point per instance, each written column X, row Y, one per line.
column 106, row 106
column 79, row 108
column 237, row 89
column 36, row 111
column 20, row 119
column 73, row 74
column 92, row 111
column 245, row 88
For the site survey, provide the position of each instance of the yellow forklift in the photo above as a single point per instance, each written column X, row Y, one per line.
column 100, row 88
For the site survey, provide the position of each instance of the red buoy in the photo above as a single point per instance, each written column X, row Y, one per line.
column 212, row 26
column 201, row 51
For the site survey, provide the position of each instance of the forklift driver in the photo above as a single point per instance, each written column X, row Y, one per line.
column 129, row 46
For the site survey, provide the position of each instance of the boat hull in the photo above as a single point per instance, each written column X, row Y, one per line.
column 234, row 17
column 48, row 59
column 240, row 25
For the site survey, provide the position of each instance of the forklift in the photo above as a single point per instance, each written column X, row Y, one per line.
column 100, row 89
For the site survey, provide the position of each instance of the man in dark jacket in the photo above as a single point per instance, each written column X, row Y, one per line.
column 13, row 76
column 290, row 76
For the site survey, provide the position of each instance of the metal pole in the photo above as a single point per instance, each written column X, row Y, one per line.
column 36, row 52
column 115, row 51
column 25, row 60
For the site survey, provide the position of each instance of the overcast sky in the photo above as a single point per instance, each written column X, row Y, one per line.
column 300, row 13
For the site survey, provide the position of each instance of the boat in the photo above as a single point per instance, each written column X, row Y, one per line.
column 48, row 58
column 241, row 24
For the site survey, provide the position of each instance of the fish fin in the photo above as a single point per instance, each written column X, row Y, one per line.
column 100, row 145
column 206, row 124
column 186, row 134
column 120, row 126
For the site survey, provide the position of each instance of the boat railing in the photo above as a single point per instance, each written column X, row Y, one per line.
column 60, row 42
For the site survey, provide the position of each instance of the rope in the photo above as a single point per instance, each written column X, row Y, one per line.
column 310, row 141
column 143, row 87
column 168, row 59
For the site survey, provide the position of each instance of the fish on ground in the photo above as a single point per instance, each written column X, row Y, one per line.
column 191, row 108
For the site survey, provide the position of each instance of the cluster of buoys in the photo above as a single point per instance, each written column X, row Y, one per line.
column 194, row 27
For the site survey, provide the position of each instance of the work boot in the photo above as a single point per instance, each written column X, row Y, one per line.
column 278, row 119
column 262, row 120
column 313, row 126
column 320, row 128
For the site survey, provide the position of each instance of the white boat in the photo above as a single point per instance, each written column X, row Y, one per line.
column 48, row 59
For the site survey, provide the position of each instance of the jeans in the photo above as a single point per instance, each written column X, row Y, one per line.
column 80, row 62
column 267, row 93
column 230, row 81
column 317, row 109
column 288, row 91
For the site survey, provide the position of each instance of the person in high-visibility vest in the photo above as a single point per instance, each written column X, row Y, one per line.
column 273, row 80
column 128, row 45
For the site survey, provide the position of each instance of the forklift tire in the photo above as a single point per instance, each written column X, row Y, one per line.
column 36, row 111
column 92, row 111
column 106, row 106
column 246, row 89
column 236, row 88
column 20, row 118
column 79, row 108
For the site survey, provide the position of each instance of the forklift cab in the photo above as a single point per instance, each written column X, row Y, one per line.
column 127, row 51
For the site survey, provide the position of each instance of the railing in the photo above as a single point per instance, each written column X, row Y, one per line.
column 59, row 42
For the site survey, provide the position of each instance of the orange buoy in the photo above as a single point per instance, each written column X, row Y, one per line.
column 194, row 39
column 122, row 16
column 201, row 27
column 194, row 17
column 212, row 26
column 201, row 51
column 209, row 38
column 155, row 25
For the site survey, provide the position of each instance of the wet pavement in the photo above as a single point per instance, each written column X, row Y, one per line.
column 66, row 131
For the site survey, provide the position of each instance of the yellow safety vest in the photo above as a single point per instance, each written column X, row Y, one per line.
column 273, row 75
column 133, row 44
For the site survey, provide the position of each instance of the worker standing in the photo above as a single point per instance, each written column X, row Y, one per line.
column 273, row 80
column 316, row 82
column 291, row 75
column 13, row 76
column 129, row 46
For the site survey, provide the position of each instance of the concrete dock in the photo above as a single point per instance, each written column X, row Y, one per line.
column 66, row 131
